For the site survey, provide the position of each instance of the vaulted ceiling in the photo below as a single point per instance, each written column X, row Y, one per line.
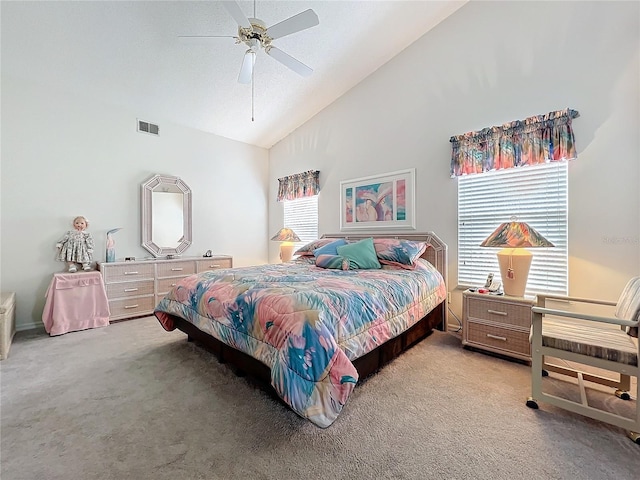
column 128, row 53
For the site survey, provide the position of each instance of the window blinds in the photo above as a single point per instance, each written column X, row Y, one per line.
column 537, row 195
column 301, row 216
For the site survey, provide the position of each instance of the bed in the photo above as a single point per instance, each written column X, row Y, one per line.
column 313, row 327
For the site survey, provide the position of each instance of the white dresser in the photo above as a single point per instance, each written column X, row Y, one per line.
column 135, row 288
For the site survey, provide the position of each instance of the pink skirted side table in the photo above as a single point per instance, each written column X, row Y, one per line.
column 75, row 301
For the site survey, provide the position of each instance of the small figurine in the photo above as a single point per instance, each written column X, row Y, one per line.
column 76, row 246
column 111, row 245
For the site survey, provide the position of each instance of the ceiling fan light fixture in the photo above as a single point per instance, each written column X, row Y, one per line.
column 246, row 70
column 256, row 35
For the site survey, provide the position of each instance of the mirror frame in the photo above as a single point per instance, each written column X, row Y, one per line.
column 147, row 211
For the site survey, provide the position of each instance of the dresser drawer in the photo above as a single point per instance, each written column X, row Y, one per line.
column 213, row 264
column 129, row 289
column 500, row 311
column 135, row 271
column 131, row 307
column 176, row 269
column 514, row 341
column 166, row 284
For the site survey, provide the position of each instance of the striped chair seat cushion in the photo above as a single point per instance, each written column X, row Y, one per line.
column 604, row 341
column 628, row 306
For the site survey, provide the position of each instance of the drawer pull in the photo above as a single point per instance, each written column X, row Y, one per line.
column 496, row 337
column 214, row 266
column 173, row 284
column 130, row 289
column 177, row 269
column 131, row 306
column 496, row 312
column 131, row 273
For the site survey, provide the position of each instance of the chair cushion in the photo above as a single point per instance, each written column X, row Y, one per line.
column 608, row 342
column 628, row 306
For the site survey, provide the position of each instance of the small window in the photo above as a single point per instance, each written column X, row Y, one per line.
column 537, row 195
column 301, row 216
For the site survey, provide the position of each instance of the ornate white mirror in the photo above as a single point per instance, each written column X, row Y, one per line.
column 166, row 215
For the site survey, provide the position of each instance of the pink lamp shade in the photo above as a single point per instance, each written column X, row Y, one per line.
column 287, row 237
column 514, row 260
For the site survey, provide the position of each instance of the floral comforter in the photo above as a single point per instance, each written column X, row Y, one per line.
column 306, row 323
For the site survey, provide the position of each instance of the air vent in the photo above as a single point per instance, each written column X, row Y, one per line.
column 146, row 127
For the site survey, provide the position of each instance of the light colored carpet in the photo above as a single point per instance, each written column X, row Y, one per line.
column 131, row 401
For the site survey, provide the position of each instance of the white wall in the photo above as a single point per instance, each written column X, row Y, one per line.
column 65, row 155
column 490, row 63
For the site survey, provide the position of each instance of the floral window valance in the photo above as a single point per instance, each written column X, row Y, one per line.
column 534, row 140
column 300, row 185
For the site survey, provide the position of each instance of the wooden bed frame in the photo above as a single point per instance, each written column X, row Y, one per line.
column 369, row 363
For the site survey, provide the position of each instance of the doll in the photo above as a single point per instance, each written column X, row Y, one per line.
column 76, row 246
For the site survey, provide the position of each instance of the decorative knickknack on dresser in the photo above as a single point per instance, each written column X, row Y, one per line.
column 135, row 288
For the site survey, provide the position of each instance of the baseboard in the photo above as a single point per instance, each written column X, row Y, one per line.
column 29, row 326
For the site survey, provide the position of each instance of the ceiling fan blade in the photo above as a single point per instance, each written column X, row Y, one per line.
column 290, row 62
column 200, row 39
column 236, row 12
column 246, row 70
column 301, row 21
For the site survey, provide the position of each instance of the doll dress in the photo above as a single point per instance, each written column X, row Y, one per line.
column 77, row 246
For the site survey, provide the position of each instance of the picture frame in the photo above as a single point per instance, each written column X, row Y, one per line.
column 385, row 201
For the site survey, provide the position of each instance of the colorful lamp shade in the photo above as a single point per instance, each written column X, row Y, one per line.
column 287, row 237
column 514, row 238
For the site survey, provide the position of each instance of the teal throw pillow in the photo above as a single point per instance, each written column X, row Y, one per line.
column 361, row 254
column 330, row 248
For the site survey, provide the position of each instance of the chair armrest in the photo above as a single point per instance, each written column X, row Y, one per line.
column 584, row 316
column 565, row 298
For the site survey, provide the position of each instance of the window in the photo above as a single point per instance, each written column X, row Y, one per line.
column 535, row 194
column 301, row 216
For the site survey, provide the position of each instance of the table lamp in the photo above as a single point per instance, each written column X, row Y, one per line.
column 514, row 260
column 286, row 236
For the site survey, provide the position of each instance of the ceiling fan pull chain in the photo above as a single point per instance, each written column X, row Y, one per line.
column 252, row 95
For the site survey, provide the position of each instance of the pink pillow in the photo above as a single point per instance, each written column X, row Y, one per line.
column 398, row 252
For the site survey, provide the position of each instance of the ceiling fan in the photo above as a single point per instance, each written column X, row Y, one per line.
column 254, row 33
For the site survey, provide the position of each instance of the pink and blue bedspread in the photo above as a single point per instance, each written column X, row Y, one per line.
column 306, row 323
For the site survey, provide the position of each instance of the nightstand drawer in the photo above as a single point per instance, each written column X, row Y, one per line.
column 497, row 337
column 500, row 311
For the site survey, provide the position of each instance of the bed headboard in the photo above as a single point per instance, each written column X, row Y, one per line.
column 436, row 252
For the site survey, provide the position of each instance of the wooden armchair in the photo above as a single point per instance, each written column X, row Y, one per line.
column 604, row 342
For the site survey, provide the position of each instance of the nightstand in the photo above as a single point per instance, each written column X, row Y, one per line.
column 497, row 323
